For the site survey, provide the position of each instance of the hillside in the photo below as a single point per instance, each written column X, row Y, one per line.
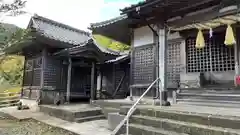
column 6, row 31
column 11, row 66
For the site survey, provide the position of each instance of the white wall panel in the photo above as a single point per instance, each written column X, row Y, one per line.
column 142, row 36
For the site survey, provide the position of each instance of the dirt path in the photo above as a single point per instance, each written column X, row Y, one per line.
column 29, row 127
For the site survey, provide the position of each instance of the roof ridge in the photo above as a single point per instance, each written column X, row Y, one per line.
column 102, row 47
column 141, row 3
column 60, row 24
column 109, row 21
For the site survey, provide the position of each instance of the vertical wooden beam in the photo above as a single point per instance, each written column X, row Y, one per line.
column 24, row 68
column 131, row 63
column 69, row 76
column 32, row 79
column 93, row 89
column 162, row 60
column 44, row 52
column 155, row 65
column 101, row 81
column 114, row 77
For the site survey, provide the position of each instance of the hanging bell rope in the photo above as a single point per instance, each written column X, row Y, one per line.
column 229, row 37
column 200, row 42
column 231, row 19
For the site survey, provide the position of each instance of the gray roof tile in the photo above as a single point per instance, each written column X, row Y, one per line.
column 108, row 22
column 58, row 31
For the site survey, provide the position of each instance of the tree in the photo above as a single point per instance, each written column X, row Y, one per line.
column 11, row 66
column 12, row 9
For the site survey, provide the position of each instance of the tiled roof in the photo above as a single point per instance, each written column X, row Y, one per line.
column 64, row 33
column 58, row 31
column 102, row 49
column 119, row 58
column 108, row 22
column 141, row 3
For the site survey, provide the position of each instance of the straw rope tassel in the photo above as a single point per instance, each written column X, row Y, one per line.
column 229, row 37
column 200, row 42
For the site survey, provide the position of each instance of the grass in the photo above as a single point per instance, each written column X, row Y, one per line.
column 13, row 90
column 9, row 96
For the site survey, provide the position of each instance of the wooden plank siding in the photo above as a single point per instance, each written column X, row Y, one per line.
column 32, row 76
column 54, row 76
column 112, row 76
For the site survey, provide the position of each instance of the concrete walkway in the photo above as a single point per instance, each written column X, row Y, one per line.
column 98, row 127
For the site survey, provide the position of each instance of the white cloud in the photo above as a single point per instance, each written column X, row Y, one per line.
column 76, row 13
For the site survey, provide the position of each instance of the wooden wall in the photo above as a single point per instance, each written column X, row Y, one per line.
column 32, row 75
column 55, row 73
column 112, row 75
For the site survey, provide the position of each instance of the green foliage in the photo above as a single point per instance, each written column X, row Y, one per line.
column 20, row 36
column 11, row 69
column 6, row 32
column 111, row 44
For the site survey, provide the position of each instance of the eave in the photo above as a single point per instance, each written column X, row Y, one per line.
column 116, row 28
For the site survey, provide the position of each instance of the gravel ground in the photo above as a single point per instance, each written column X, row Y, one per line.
column 29, row 127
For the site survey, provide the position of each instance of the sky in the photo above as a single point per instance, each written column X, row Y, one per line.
column 76, row 13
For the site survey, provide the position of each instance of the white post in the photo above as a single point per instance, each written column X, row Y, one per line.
column 174, row 95
column 127, row 126
column 69, row 79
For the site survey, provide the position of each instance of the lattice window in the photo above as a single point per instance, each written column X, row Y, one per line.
column 173, row 64
column 36, row 78
column 143, row 65
column 29, row 65
column 38, row 62
column 28, row 73
column 215, row 56
column 27, row 78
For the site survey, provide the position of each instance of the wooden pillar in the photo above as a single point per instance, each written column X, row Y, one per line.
column 43, row 68
column 162, row 61
column 131, row 63
column 43, row 59
column 101, row 81
column 114, row 77
column 69, row 76
column 93, row 79
column 24, row 73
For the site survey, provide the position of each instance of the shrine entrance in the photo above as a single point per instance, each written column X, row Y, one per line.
column 80, row 84
column 215, row 62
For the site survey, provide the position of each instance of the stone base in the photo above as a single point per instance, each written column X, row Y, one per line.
column 31, row 92
column 73, row 113
column 114, row 119
column 49, row 97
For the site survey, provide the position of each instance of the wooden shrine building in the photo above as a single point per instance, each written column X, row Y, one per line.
column 185, row 44
column 65, row 64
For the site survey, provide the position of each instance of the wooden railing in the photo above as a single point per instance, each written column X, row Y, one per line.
column 9, row 99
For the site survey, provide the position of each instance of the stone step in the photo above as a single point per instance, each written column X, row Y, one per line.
column 107, row 110
column 199, row 118
column 210, row 91
column 68, row 114
column 182, row 127
column 87, row 112
column 112, row 103
column 90, row 118
column 210, row 103
column 136, row 129
column 207, row 96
